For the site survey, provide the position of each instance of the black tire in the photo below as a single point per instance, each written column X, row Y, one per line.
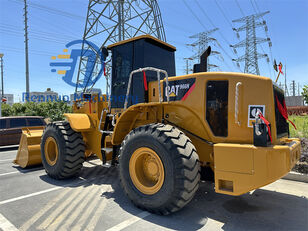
column 181, row 167
column 71, row 150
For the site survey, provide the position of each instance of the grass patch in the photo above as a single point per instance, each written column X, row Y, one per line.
column 301, row 123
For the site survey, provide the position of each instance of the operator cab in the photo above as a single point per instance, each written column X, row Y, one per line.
column 132, row 54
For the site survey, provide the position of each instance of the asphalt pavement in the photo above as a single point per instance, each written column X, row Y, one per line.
column 30, row 200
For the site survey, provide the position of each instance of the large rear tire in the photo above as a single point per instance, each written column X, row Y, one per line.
column 62, row 150
column 159, row 168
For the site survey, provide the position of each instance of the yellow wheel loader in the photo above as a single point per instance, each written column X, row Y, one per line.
column 167, row 131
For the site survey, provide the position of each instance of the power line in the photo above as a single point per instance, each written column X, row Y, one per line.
column 237, row 3
column 193, row 13
column 269, row 68
column 202, row 43
column 21, row 51
column 268, row 35
column 52, row 10
column 250, row 43
column 188, row 7
column 128, row 19
column 225, row 16
column 36, row 37
column 211, row 22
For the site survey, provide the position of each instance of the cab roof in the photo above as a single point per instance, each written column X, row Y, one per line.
column 146, row 37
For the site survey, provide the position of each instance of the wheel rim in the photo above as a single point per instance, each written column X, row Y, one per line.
column 51, row 151
column 146, row 170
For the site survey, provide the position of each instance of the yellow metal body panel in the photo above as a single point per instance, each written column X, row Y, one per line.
column 133, row 117
column 29, row 150
column 239, row 165
column 240, row 168
column 85, row 119
column 190, row 114
column 79, row 122
column 255, row 90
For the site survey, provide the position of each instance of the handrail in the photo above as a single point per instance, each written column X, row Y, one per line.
column 236, row 102
column 158, row 71
column 100, row 121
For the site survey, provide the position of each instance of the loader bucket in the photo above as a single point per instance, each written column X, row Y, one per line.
column 29, row 151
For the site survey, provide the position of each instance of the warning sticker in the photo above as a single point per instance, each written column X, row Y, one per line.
column 252, row 111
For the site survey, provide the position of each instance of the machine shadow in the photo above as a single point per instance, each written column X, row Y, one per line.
column 93, row 174
column 9, row 148
column 28, row 169
column 250, row 211
column 246, row 212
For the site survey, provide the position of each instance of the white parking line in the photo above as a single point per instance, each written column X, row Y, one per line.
column 129, row 221
column 9, row 173
column 5, row 160
column 6, row 225
column 33, row 170
column 48, row 190
column 29, row 195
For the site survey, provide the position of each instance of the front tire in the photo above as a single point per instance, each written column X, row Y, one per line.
column 159, row 168
column 62, row 150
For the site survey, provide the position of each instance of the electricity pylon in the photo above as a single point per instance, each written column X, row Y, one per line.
column 202, row 43
column 111, row 21
column 250, row 43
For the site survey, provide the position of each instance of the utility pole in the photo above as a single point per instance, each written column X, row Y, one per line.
column 250, row 43
column 285, row 80
column 202, row 43
column 2, row 93
column 1, row 66
column 293, row 87
column 186, row 66
column 26, row 47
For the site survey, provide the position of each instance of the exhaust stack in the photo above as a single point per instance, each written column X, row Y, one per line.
column 202, row 66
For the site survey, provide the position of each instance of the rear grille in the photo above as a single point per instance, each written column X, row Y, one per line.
column 281, row 123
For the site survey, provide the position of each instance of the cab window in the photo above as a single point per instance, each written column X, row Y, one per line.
column 217, row 107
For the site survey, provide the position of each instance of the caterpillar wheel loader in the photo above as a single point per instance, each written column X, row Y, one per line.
column 167, row 131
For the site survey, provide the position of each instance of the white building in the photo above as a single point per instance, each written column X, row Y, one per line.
column 77, row 96
column 294, row 101
column 8, row 97
column 39, row 97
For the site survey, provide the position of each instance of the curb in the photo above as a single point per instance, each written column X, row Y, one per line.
column 295, row 176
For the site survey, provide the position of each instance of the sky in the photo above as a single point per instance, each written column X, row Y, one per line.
column 52, row 24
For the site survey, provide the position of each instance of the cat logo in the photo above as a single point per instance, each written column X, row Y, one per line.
column 179, row 89
column 172, row 94
column 173, row 90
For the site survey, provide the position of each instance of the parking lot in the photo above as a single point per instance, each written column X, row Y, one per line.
column 30, row 200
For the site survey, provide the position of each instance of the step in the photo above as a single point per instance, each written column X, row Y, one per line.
column 107, row 150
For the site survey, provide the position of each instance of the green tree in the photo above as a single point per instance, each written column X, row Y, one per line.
column 305, row 93
column 18, row 109
column 52, row 110
column 6, row 110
